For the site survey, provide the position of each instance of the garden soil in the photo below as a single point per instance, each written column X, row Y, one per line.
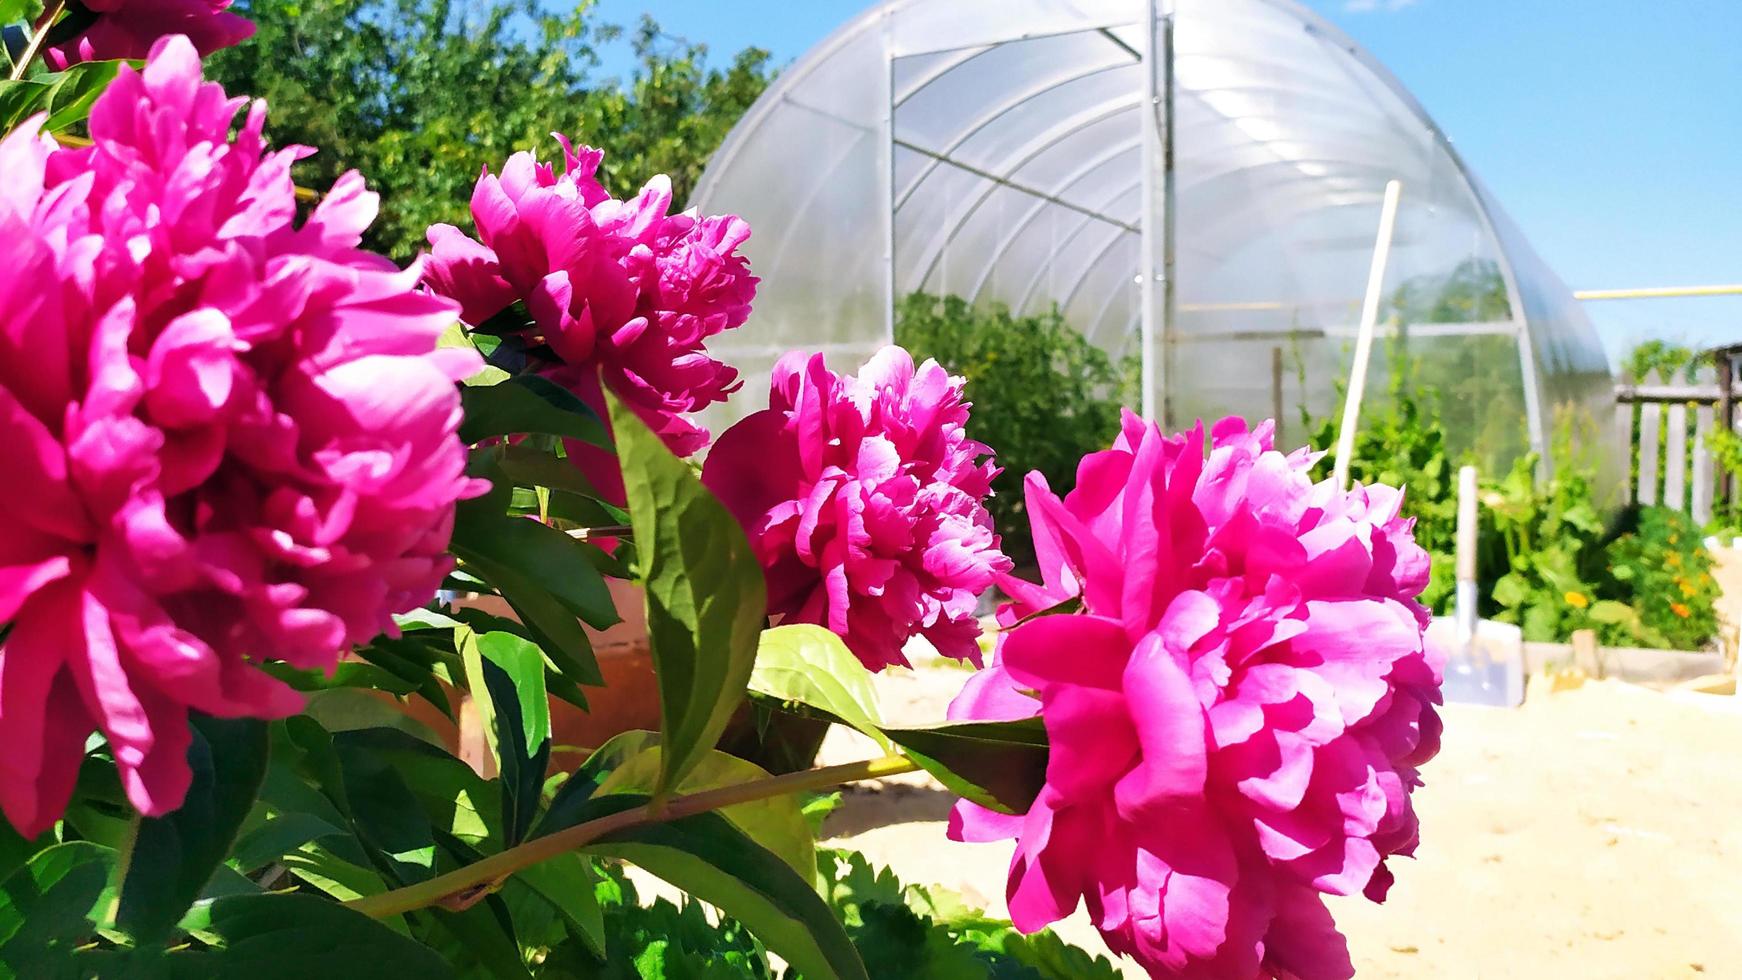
column 1595, row 832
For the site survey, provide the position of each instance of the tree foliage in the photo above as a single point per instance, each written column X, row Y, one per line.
column 421, row 95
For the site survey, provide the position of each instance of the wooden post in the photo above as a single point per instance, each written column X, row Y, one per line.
column 1650, row 414
column 1675, row 458
column 1464, row 596
column 1700, row 507
column 1276, row 392
column 1726, row 419
column 1624, row 408
column 1585, row 653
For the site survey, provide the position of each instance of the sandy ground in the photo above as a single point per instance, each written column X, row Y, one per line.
column 1593, row 833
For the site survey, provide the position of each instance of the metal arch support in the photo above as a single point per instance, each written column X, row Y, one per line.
column 1025, row 97
column 1080, row 227
column 1039, row 207
column 1089, row 267
column 1046, row 142
column 963, row 56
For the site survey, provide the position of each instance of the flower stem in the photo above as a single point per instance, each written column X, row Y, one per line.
column 38, row 38
column 460, row 884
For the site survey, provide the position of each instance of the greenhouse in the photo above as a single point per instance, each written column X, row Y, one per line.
column 1193, row 185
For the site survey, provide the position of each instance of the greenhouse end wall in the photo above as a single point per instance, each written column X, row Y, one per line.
column 1042, row 155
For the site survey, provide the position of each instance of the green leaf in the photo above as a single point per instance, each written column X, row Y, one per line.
column 16, row 11
column 15, row 851
column 172, row 857
column 78, row 87
column 526, row 466
column 528, row 403
column 53, row 904
column 706, row 599
column 351, row 709
column 1000, row 765
column 568, row 883
column 66, row 95
column 19, row 100
column 710, row 859
column 278, row 836
column 1610, row 612
column 536, row 552
column 453, row 799
column 292, row 936
column 810, row 665
column 776, row 823
column 506, row 676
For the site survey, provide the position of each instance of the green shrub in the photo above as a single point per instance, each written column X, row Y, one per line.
column 1547, row 559
column 1663, row 566
column 1043, row 394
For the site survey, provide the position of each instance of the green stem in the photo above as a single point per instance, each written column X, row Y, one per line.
column 38, row 39
column 498, row 867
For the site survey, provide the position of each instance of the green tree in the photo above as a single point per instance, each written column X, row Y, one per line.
column 421, row 95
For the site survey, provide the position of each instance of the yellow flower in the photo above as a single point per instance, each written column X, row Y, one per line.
column 1680, row 610
column 1577, row 600
column 1687, row 589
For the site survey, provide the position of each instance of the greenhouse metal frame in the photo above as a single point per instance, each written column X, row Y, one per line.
column 1191, row 182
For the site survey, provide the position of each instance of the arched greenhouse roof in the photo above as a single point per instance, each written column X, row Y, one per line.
column 1020, row 152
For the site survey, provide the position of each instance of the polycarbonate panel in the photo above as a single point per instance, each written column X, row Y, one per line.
column 996, row 150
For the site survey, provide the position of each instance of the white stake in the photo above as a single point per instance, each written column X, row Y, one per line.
column 1464, row 600
column 1364, row 339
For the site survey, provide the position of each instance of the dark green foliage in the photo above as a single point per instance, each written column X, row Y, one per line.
column 900, row 931
column 1666, row 358
column 420, row 95
column 1547, row 560
column 1664, row 564
column 1043, row 395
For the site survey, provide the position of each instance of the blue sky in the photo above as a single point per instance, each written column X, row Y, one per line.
column 1610, row 130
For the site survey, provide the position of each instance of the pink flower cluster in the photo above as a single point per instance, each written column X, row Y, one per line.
column 129, row 28
column 1236, row 713
column 865, row 501
column 622, row 288
column 229, row 439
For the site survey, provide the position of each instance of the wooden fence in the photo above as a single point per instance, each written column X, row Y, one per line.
column 1667, row 425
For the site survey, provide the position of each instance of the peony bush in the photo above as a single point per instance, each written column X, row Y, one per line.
column 306, row 552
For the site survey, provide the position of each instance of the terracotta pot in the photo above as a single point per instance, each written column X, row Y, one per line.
column 628, row 701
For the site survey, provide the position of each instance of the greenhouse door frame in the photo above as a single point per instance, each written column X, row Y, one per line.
column 1157, row 300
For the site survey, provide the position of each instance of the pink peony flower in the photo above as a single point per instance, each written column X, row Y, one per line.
column 230, row 439
column 129, row 28
column 1236, row 713
column 865, row 501
column 621, row 288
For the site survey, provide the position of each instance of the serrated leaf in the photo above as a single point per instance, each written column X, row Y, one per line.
column 706, row 598
column 810, row 665
column 524, row 404
column 171, row 858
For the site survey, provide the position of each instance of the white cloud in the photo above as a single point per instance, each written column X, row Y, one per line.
column 1370, row 6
